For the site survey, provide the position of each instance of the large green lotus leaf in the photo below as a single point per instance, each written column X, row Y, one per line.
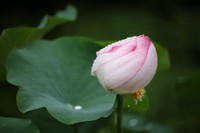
column 47, row 124
column 21, row 36
column 15, row 125
column 56, row 75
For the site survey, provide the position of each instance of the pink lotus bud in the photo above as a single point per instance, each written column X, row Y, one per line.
column 127, row 65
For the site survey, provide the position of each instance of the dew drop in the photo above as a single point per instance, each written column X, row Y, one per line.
column 77, row 107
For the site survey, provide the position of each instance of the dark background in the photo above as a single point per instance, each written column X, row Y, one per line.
column 172, row 24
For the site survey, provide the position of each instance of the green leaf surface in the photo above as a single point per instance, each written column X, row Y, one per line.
column 48, row 124
column 56, row 75
column 163, row 58
column 21, row 36
column 15, row 125
column 140, row 107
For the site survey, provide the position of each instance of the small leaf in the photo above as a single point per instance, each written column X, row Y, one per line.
column 70, row 12
column 56, row 75
column 15, row 125
column 163, row 58
column 140, row 107
column 48, row 22
column 21, row 36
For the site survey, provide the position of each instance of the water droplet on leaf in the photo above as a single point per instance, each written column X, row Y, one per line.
column 77, row 107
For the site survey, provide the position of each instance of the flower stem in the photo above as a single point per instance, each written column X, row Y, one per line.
column 75, row 128
column 119, row 113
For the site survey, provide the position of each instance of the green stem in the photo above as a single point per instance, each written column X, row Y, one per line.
column 119, row 113
column 75, row 128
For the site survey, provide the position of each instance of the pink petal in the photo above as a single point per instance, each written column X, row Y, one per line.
column 111, row 47
column 123, row 69
column 144, row 75
column 112, row 52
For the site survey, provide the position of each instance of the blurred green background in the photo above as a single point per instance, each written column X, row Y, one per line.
column 174, row 93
